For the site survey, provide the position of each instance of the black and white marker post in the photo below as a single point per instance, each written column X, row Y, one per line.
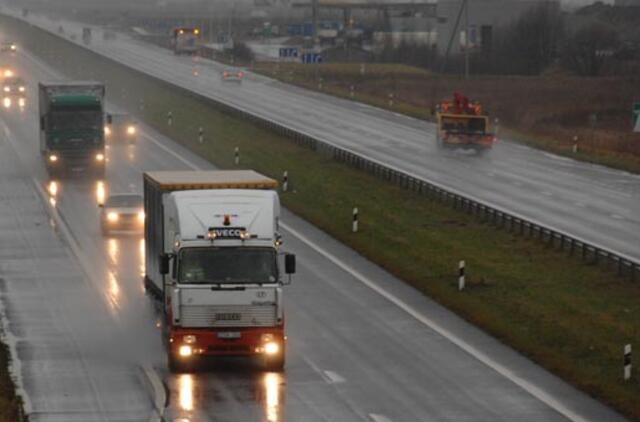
column 627, row 362
column 461, row 275
column 236, row 155
column 354, row 226
column 285, row 181
column 200, row 134
column 170, row 118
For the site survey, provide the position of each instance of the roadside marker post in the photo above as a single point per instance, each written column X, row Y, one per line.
column 461, row 279
column 141, row 104
column 200, row 134
column 236, row 154
column 575, row 144
column 352, row 91
column 354, row 226
column 170, row 118
column 627, row 362
column 285, row 181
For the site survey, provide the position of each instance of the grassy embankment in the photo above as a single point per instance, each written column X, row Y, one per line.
column 545, row 112
column 570, row 317
column 10, row 403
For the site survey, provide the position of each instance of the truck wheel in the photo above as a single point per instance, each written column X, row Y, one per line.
column 274, row 364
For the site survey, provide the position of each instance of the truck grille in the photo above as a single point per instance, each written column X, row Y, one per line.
column 228, row 316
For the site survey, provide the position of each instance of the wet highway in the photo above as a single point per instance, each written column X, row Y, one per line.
column 362, row 345
column 597, row 204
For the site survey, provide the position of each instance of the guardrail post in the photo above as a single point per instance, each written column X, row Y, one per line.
column 170, row 118
column 461, row 279
column 285, row 181
column 200, row 134
column 627, row 362
column 354, row 224
column 236, row 154
column 391, row 99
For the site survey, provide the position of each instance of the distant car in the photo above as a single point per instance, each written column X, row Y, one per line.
column 121, row 127
column 122, row 212
column 14, row 86
column 232, row 75
column 8, row 47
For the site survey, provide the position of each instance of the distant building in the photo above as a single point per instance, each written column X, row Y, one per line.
column 485, row 16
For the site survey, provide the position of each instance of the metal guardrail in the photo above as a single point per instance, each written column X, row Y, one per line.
column 574, row 246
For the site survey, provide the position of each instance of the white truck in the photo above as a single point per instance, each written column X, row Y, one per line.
column 185, row 40
column 213, row 259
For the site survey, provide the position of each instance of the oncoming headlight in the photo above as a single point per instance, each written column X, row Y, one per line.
column 99, row 157
column 112, row 217
column 185, row 351
column 53, row 158
column 107, row 130
column 271, row 348
column 131, row 130
column 7, row 89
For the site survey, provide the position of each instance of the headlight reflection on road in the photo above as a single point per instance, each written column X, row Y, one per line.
column 113, row 250
column 272, row 383
column 113, row 292
column 186, row 392
column 100, row 192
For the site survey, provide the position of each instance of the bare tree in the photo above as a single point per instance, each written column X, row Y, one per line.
column 589, row 48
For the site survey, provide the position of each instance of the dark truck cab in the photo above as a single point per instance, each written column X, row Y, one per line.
column 72, row 127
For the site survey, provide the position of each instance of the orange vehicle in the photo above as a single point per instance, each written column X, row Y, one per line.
column 462, row 124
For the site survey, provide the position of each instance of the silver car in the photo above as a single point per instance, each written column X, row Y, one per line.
column 122, row 212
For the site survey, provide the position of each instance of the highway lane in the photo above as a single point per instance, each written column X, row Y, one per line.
column 363, row 346
column 597, row 204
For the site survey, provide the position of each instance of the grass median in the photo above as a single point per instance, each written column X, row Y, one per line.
column 572, row 318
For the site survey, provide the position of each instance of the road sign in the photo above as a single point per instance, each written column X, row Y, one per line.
column 288, row 52
column 310, row 58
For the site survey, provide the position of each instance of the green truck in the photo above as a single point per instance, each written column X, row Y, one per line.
column 72, row 121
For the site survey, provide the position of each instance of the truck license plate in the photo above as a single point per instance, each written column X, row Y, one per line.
column 228, row 317
column 229, row 334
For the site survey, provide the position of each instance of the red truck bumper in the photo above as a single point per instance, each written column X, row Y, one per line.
column 185, row 343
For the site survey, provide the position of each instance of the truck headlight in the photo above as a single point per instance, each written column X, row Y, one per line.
column 99, row 157
column 189, row 339
column 21, row 89
column 271, row 348
column 7, row 102
column 185, row 351
column 112, row 217
column 141, row 217
column 53, row 158
column 107, row 130
column 21, row 102
column 7, row 89
column 131, row 130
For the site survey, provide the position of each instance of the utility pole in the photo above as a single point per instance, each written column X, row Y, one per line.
column 466, row 39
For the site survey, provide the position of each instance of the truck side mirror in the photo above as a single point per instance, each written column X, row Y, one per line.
column 290, row 263
column 109, row 119
column 163, row 264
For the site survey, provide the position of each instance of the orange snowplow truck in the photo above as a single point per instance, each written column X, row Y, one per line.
column 462, row 124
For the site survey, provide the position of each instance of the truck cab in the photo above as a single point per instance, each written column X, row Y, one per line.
column 184, row 40
column 220, row 271
column 72, row 127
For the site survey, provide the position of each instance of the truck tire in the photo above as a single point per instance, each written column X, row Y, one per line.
column 274, row 364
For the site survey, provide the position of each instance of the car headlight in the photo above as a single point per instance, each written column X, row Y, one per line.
column 271, row 348
column 99, row 157
column 141, row 217
column 112, row 217
column 13, row 48
column 185, row 351
column 53, row 158
column 6, row 102
column 7, row 89
column 131, row 130
column 21, row 89
column 107, row 130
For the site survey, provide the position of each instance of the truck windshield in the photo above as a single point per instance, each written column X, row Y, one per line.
column 75, row 119
column 227, row 265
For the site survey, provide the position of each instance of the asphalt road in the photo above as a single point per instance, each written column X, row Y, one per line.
column 597, row 204
column 362, row 346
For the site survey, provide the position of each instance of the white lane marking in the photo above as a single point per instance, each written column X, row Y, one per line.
column 529, row 387
column 379, row 418
column 334, row 377
column 617, row 217
column 159, row 393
